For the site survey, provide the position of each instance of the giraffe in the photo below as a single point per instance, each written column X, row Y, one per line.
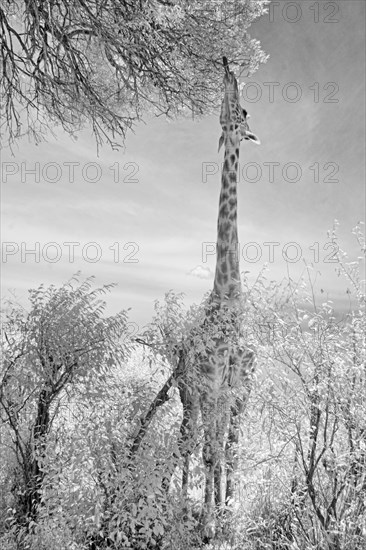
column 225, row 366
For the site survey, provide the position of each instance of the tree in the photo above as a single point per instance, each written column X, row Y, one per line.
column 304, row 451
column 64, row 344
column 107, row 62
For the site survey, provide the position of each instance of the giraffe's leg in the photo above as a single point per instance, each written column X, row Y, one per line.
column 221, row 423
column 190, row 402
column 246, row 360
column 209, row 460
column 188, row 432
column 218, row 480
column 230, row 449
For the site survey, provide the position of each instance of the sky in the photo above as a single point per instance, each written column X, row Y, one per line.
column 145, row 218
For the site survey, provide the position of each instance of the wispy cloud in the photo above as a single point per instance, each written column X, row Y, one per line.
column 201, row 272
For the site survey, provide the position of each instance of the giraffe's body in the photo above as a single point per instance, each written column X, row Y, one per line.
column 226, row 364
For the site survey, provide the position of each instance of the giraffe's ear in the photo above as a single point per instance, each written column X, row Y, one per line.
column 221, row 141
column 252, row 137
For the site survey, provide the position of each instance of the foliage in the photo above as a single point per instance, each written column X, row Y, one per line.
column 301, row 459
column 49, row 353
column 304, row 449
column 108, row 62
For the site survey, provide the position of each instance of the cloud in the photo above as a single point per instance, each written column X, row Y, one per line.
column 201, row 272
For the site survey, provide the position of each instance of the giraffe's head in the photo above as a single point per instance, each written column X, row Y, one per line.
column 233, row 118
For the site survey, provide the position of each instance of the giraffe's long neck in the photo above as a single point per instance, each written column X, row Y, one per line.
column 227, row 274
